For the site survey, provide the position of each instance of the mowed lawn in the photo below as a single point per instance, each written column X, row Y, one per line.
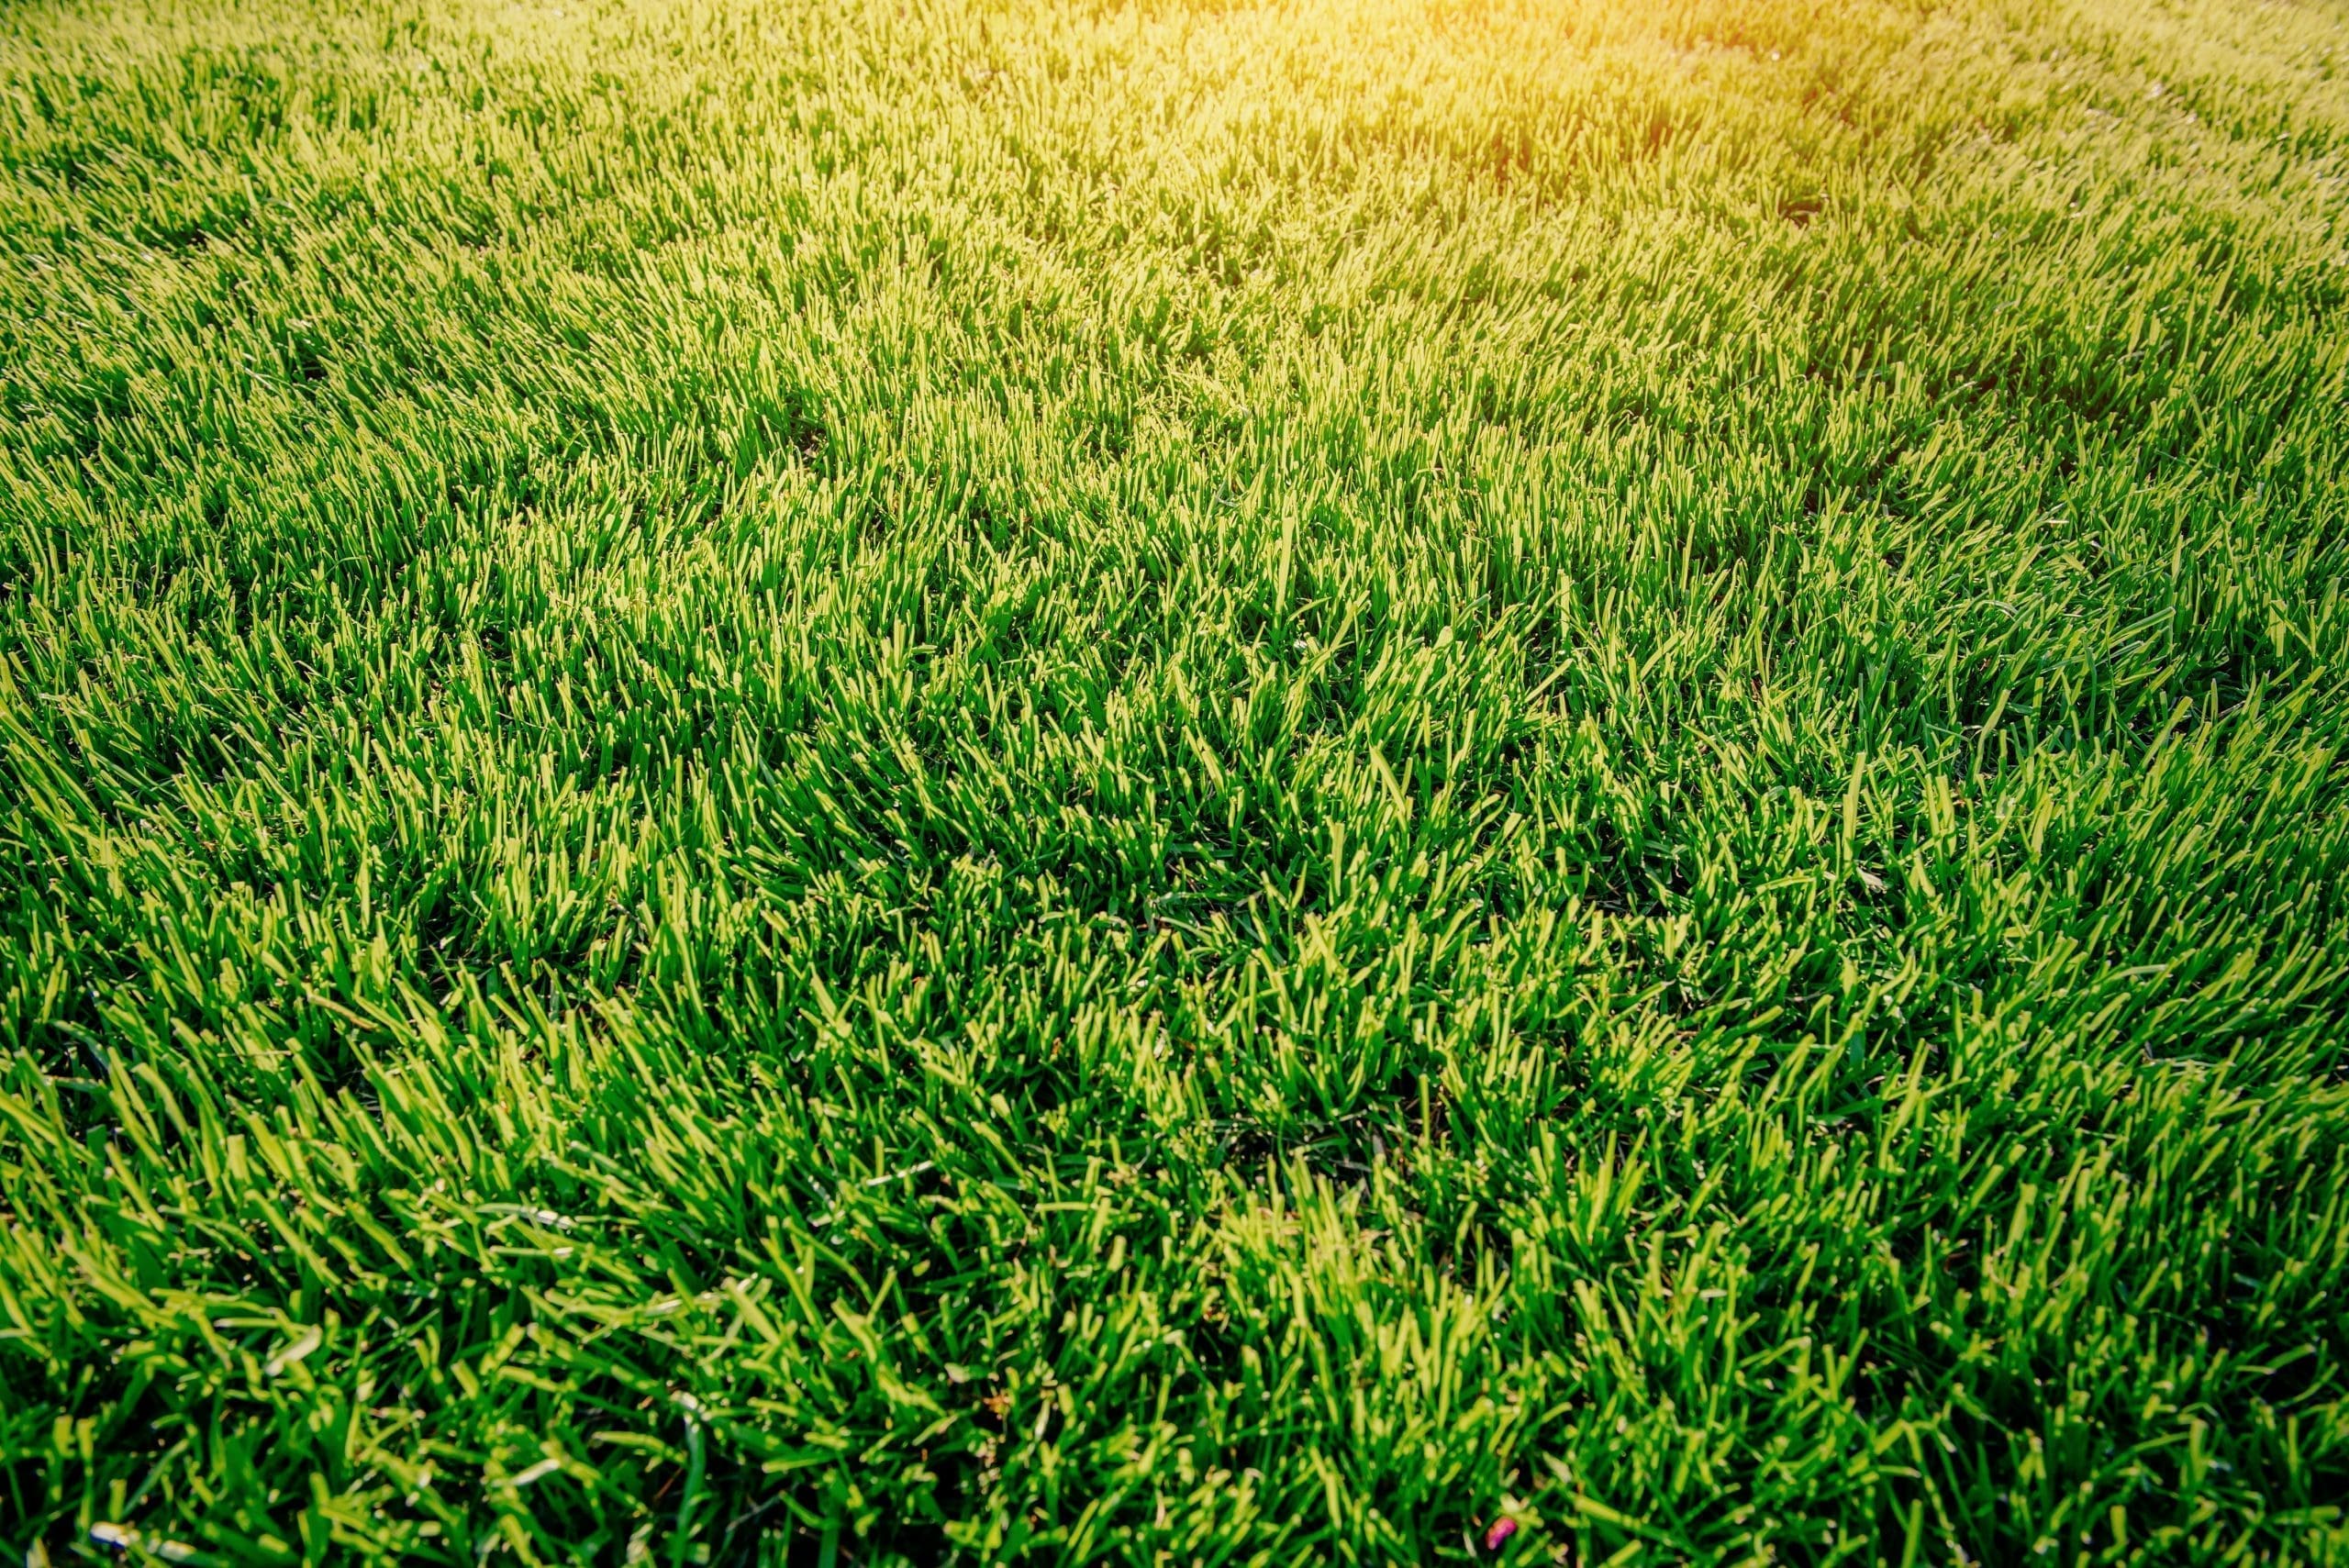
column 1017, row 781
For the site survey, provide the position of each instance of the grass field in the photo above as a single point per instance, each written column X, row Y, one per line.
column 1180, row 783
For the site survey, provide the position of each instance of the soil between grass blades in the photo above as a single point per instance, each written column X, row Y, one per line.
column 1174, row 784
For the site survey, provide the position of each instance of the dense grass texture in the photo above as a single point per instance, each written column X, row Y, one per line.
column 1007, row 781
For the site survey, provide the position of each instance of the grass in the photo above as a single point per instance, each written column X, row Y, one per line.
column 1015, row 782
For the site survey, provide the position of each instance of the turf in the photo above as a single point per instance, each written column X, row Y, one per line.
column 1005, row 782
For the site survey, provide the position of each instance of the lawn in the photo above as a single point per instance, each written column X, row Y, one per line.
column 1044, row 780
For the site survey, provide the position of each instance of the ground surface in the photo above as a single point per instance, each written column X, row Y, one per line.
column 1172, row 783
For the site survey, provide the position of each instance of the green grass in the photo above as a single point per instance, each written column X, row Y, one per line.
column 1020, row 782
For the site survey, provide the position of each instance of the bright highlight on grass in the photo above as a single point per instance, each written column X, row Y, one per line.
column 1174, row 784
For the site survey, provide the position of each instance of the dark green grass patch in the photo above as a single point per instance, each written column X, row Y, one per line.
column 1174, row 784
